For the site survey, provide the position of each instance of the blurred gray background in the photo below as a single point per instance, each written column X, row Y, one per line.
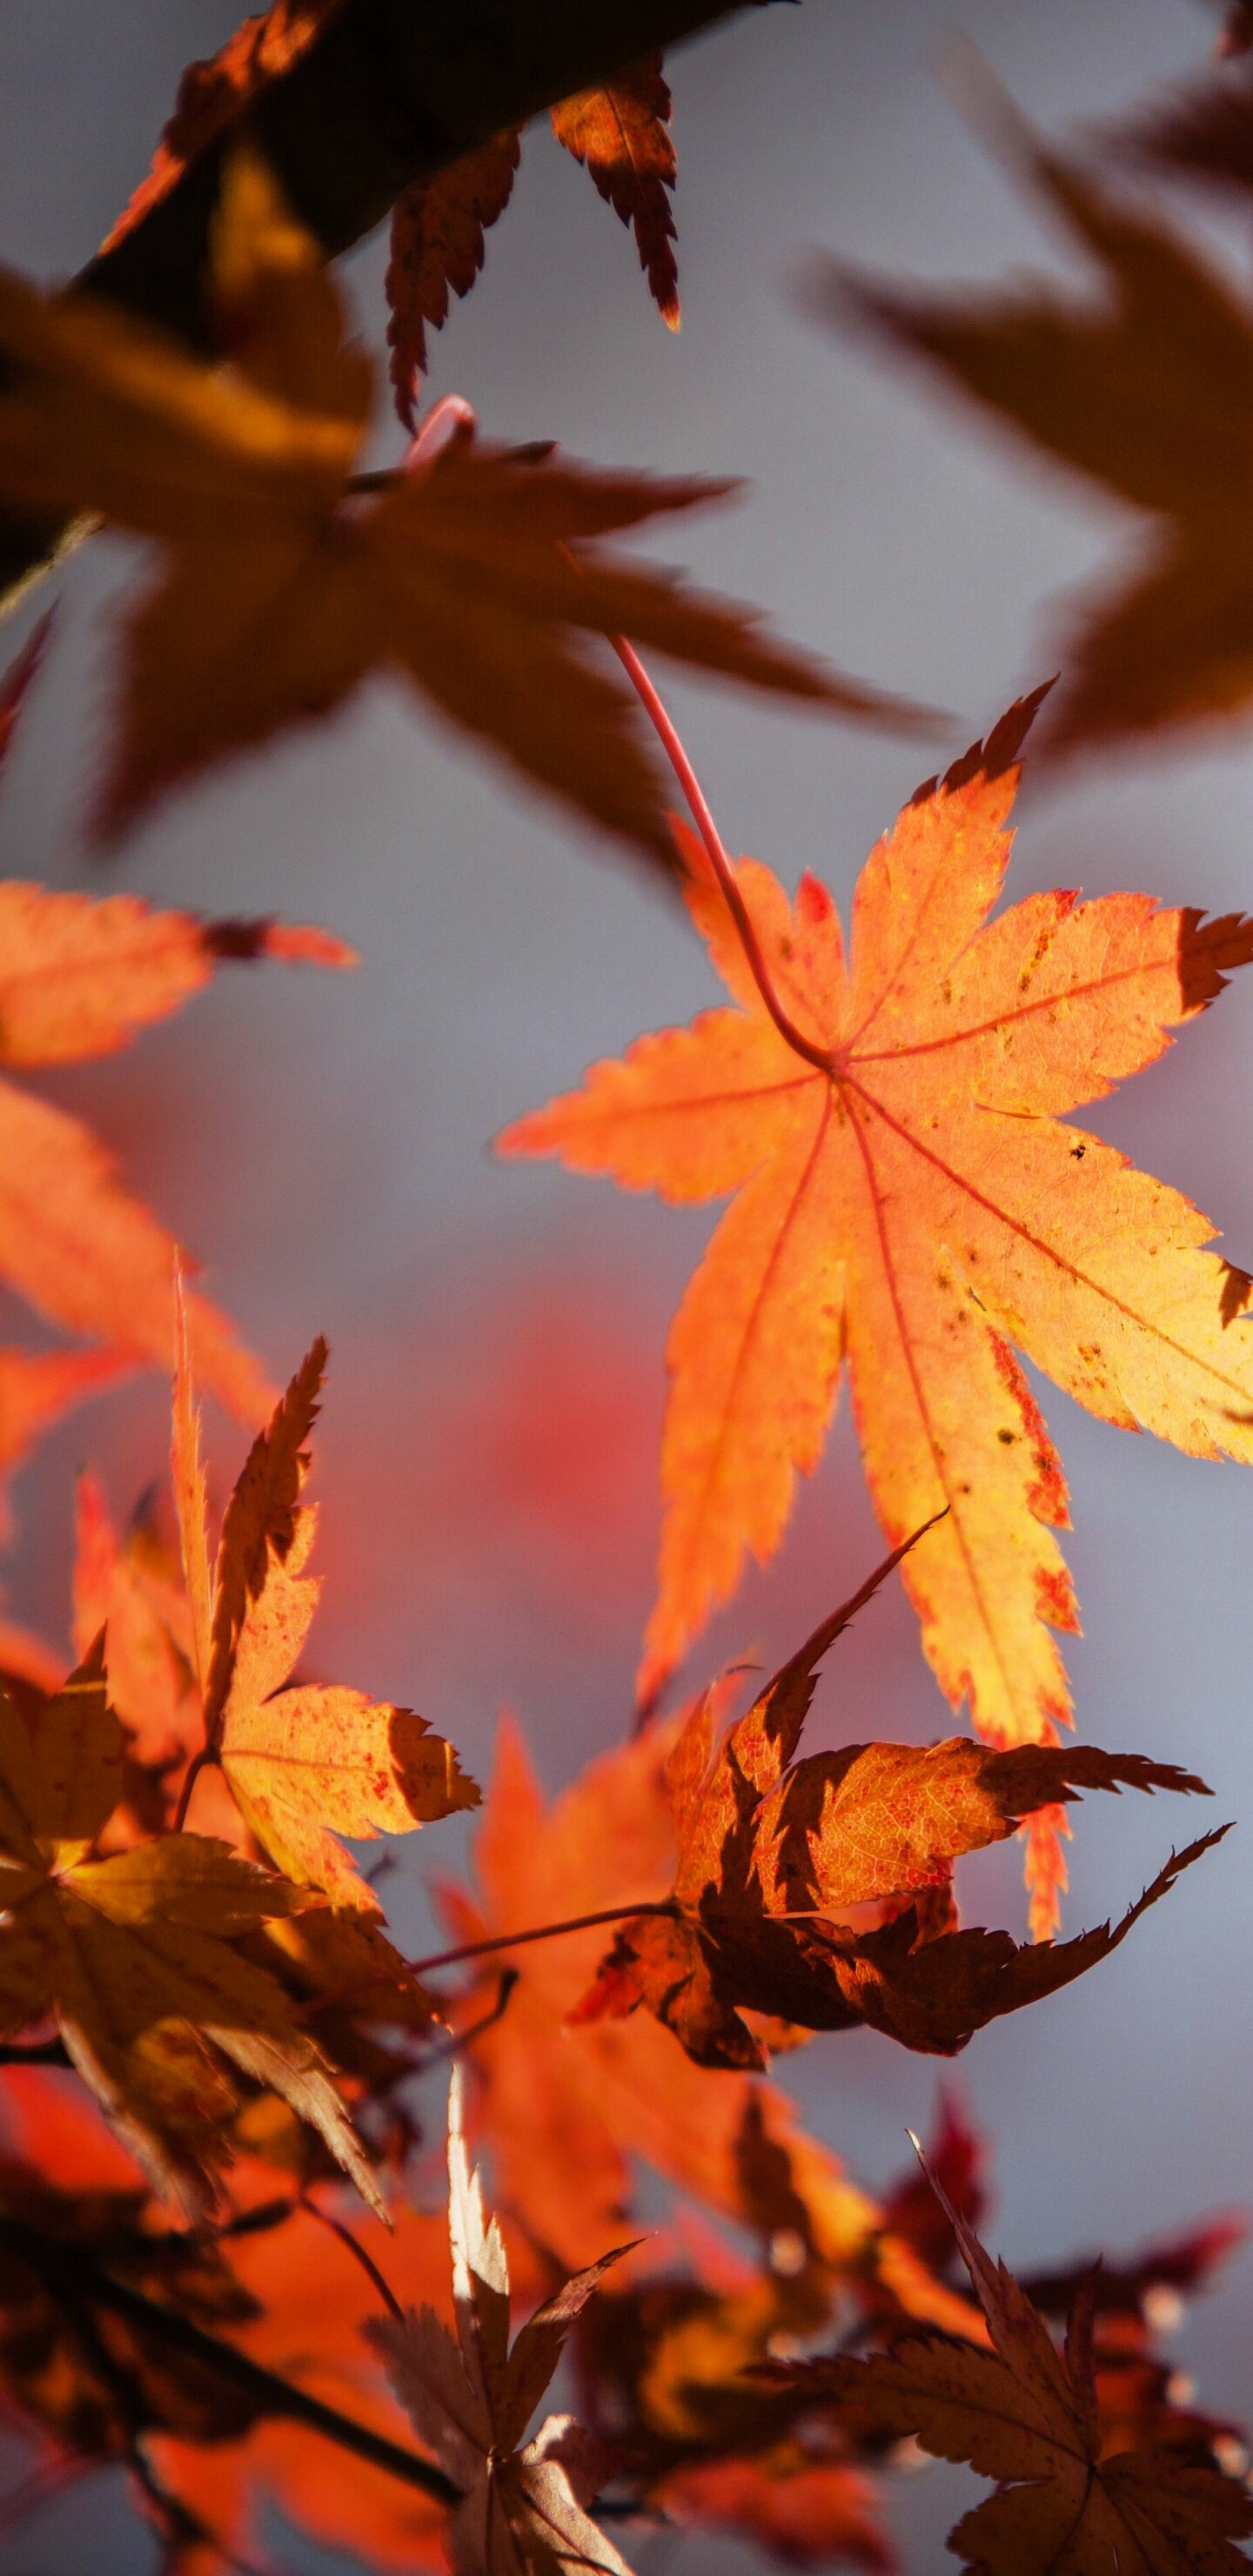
column 487, row 1454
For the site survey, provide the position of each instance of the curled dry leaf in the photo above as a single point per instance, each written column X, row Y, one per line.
column 471, row 2398
column 134, row 1958
column 605, row 2097
column 280, row 592
column 908, row 1194
column 770, row 1848
column 1026, row 2414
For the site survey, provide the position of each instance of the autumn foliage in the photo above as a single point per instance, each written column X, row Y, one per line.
column 225, row 2258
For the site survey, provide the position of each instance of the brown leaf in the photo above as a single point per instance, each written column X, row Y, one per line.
column 765, row 1851
column 601, row 2097
column 132, row 1954
column 1026, row 2414
column 437, row 247
column 622, row 135
column 521, row 2512
column 281, row 591
column 1144, row 393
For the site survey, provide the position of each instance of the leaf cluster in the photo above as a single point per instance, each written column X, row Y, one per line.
column 208, row 2028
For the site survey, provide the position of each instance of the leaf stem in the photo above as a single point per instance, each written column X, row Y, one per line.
column 460, row 2039
column 540, row 1932
column 198, row 1763
column 358, row 2251
column 667, row 734
column 452, row 421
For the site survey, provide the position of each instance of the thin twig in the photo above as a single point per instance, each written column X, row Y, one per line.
column 71, row 2278
column 460, row 2039
column 367, row 2262
column 198, row 1763
column 667, row 735
column 541, row 1932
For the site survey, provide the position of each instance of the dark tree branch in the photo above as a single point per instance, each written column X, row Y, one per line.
column 389, row 91
column 76, row 2284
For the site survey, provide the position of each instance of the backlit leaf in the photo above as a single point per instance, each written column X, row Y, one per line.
column 622, row 134
column 916, row 1202
column 280, row 592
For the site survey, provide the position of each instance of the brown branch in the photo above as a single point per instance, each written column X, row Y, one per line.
column 668, row 736
column 540, row 1932
column 359, row 2253
column 463, row 2039
column 73, row 2280
column 198, row 1763
column 388, row 91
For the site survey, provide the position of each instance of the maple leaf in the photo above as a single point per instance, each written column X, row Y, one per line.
column 1134, row 2299
column 36, row 1388
column 472, row 2397
column 281, row 591
column 214, row 91
column 1145, row 395
column 132, row 1954
column 95, row 2395
column 437, row 247
column 295, row 1757
column 909, row 1195
column 767, row 1844
column 598, row 2097
column 1026, row 2414
column 660, row 2367
column 79, row 977
column 622, row 135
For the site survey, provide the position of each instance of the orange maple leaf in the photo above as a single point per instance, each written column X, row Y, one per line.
column 471, row 2396
column 301, row 1758
column 132, row 1954
column 908, row 1196
column 79, row 977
